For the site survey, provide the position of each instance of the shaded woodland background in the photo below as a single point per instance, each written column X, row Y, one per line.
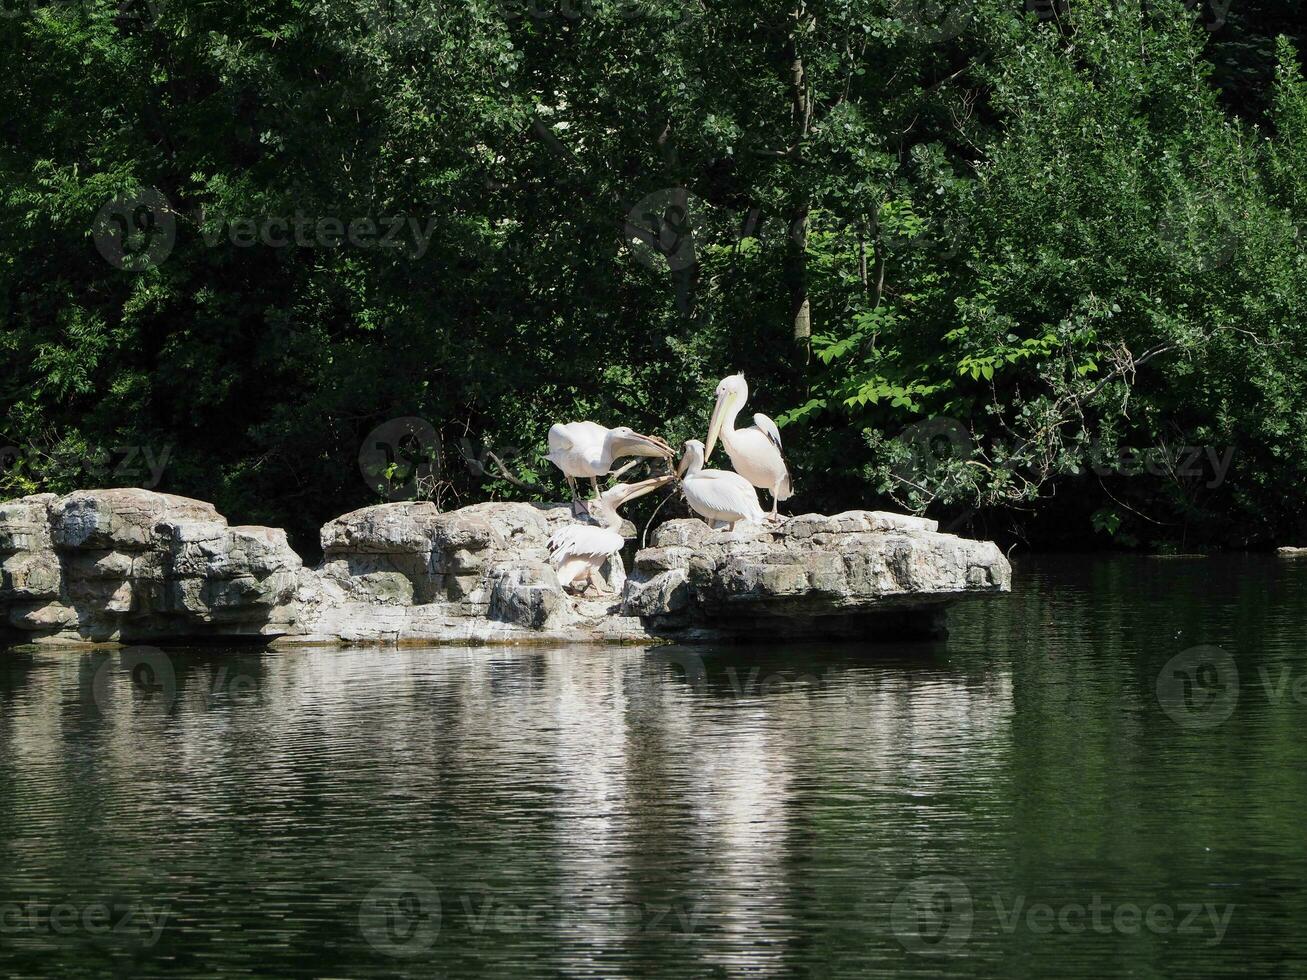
column 1035, row 269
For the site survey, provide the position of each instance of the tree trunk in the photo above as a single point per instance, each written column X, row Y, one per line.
column 797, row 274
column 796, row 248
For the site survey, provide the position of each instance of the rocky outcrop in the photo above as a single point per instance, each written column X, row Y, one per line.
column 851, row 574
column 134, row 565
column 108, row 565
column 481, row 574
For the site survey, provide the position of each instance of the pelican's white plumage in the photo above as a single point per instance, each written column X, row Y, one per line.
column 755, row 452
column 577, row 448
column 578, row 551
column 588, row 450
column 718, row 495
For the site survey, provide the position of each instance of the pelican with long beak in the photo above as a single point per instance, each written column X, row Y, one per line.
column 587, row 449
column 578, row 551
column 755, row 452
column 718, row 495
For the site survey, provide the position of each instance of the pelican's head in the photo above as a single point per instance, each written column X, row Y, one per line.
column 732, row 393
column 627, row 442
column 604, row 507
column 692, row 459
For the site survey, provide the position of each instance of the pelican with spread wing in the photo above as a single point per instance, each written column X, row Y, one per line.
column 578, row 551
column 755, row 452
column 587, row 449
column 720, row 496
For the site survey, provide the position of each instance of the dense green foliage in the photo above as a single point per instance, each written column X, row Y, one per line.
column 971, row 256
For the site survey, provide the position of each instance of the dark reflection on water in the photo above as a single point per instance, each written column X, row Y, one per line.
column 1014, row 801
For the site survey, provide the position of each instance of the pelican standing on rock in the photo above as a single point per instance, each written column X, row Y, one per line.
column 718, row 495
column 755, row 452
column 578, row 551
column 587, row 449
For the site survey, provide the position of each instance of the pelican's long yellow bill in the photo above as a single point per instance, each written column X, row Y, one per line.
column 634, row 490
column 715, row 424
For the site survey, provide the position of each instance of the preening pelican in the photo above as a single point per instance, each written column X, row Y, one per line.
column 579, row 550
column 755, row 452
column 582, row 449
column 718, row 495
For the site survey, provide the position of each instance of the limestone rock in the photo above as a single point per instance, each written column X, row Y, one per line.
column 102, row 565
column 527, row 595
column 810, row 575
column 133, row 565
column 119, row 518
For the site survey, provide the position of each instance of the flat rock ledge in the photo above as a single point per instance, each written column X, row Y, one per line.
column 135, row 566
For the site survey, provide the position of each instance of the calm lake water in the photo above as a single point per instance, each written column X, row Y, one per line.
column 1024, row 799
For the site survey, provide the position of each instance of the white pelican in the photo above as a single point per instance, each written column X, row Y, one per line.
column 718, row 495
column 582, row 449
column 756, row 451
column 579, row 550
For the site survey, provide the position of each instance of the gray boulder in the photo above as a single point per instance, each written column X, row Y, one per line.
column 851, row 574
column 126, row 565
column 405, row 572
